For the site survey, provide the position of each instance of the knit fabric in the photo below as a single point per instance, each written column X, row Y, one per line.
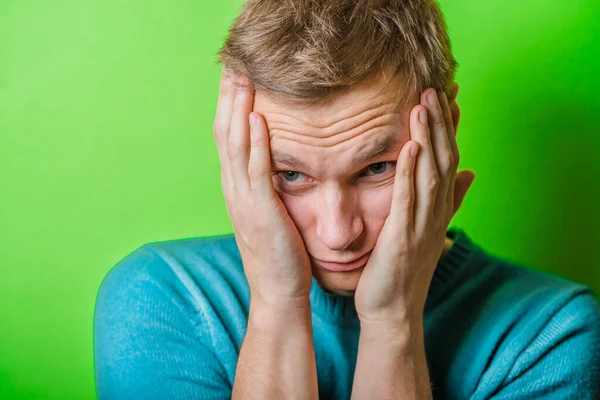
column 170, row 319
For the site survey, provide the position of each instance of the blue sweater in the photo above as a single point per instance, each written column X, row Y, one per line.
column 170, row 319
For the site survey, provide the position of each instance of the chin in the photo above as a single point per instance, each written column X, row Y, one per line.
column 342, row 283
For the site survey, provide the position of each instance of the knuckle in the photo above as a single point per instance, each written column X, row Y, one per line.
column 404, row 248
column 439, row 123
column 218, row 131
column 255, row 174
column 448, row 162
column 218, row 138
column 243, row 87
column 407, row 172
column 257, row 141
column 407, row 198
column 426, row 141
column 433, row 182
column 233, row 150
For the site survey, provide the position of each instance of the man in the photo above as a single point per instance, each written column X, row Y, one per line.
column 336, row 131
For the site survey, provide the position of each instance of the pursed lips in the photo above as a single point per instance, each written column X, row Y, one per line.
column 343, row 266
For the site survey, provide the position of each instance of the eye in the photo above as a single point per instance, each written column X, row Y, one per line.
column 378, row 168
column 290, row 176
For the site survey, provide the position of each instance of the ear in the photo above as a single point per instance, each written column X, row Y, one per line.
column 464, row 178
column 462, row 184
column 454, row 108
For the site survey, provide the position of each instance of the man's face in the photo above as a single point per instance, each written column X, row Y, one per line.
column 334, row 170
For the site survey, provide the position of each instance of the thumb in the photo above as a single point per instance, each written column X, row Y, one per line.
column 463, row 182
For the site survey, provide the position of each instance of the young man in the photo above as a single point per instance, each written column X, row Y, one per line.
column 336, row 130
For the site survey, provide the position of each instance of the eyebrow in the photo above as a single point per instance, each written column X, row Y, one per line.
column 381, row 146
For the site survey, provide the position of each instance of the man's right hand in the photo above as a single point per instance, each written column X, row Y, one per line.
column 274, row 257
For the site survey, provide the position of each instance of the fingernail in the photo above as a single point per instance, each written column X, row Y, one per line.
column 443, row 98
column 432, row 98
column 253, row 121
column 423, row 116
column 413, row 151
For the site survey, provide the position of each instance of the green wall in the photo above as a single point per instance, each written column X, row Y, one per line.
column 106, row 111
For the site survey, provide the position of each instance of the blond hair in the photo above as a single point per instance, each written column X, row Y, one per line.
column 306, row 51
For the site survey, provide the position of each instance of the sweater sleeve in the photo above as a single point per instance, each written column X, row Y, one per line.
column 563, row 361
column 147, row 343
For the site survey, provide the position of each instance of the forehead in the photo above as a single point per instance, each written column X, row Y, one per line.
column 346, row 133
column 362, row 102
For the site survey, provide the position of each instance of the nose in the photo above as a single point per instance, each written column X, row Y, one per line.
column 339, row 222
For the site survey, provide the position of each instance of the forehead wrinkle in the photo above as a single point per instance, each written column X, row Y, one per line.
column 382, row 144
column 382, row 121
column 360, row 118
column 310, row 125
column 320, row 120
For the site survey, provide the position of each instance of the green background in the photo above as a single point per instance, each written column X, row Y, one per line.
column 106, row 111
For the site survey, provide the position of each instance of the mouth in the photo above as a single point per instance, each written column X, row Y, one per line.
column 343, row 267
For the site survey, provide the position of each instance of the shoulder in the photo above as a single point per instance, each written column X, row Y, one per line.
column 488, row 284
column 184, row 266
column 528, row 292
column 193, row 282
column 508, row 295
column 547, row 337
column 523, row 331
column 167, row 318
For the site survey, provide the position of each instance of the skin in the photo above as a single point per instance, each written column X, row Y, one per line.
column 338, row 214
column 338, row 210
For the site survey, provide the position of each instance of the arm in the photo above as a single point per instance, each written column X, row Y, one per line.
column 391, row 363
column 277, row 359
column 393, row 287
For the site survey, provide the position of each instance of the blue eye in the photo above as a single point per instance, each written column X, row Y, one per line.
column 290, row 176
column 378, row 168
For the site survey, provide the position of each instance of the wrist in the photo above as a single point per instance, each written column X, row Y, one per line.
column 285, row 313
column 398, row 313
column 392, row 332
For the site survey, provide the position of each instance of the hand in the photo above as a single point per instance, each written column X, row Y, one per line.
column 427, row 193
column 274, row 257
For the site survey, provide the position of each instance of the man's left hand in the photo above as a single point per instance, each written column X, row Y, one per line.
column 427, row 193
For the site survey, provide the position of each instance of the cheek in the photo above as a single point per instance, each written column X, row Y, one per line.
column 299, row 208
column 376, row 203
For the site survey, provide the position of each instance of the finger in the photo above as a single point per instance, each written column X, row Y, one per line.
column 221, row 127
column 455, row 157
column 402, row 211
column 259, row 166
column 441, row 149
column 224, row 108
column 447, row 115
column 426, row 177
column 238, row 143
